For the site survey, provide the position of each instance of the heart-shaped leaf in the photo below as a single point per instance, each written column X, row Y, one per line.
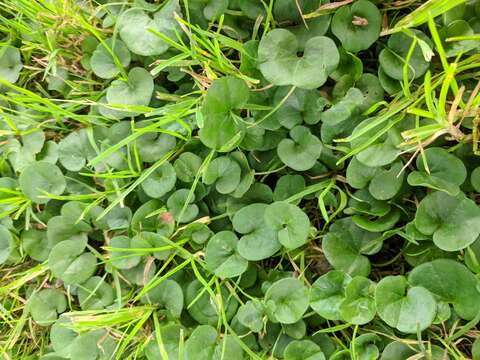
column 222, row 257
column 392, row 58
column 301, row 151
column 10, row 64
column 286, row 301
column 452, row 282
column 74, row 150
column 251, row 315
column 70, row 263
column 291, row 224
column 134, row 24
column 187, row 166
column 39, row 178
column 408, row 311
column 45, row 306
column 223, row 129
column 327, row 294
column 258, row 241
column 225, row 173
column 161, row 181
column 103, row 63
column 34, row 243
column 206, row 310
column 454, row 221
column 95, row 294
column 171, row 338
column 136, row 90
column 358, row 307
column 169, row 295
column 445, row 171
column 345, row 244
column 357, row 26
column 279, row 63
column 303, row 350
column 120, row 258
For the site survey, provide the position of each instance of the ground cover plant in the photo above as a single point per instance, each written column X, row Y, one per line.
column 239, row 179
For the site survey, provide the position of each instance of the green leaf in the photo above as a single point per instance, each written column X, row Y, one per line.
column 134, row 27
column 45, row 305
column 222, row 257
column 40, row 177
column 10, row 64
column 223, row 129
column 172, row 336
column 34, row 243
column 7, row 244
column 122, row 259
column 445, row 171
column 160, row 182
column 327, row 294
column 458, row 28
column 279, row 63
column 102, row 62
column 408, row 311
column 203, row 344
column 345, row 245
column 357, row 26
column 358, row 307
column 454, row 221
column 251, row 315
column 392, row 58
column 136, row 90
column 452, row 282
column 176, row 203
column 70, row 263
column 303, row 350
column 258, row 241
column 286, row 301
column 301, row 151
column 151, row 240
column 206, row 310
column 290, row 222
column 224, row 173
column 74, row 150
column 187, row 166
column 167, row 294
column 95, row 294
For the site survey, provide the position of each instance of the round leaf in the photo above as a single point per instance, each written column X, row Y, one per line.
column 45, row 306
column 408, row 311
column 291, row 224
column 222, row 257
column 357, row 26
column 40, row 177
column 160, row 182
column 327, row 294
column 301, row 151
column 454, row 221
column 286, row 301
column 279, row 63
column 102, row 62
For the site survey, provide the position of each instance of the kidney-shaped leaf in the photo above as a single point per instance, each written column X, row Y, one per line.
column 134, row 25
column 222, row 128
column 222, row 257
column 102, row 61
column 69, row 262
column 345, row 244
column 225, row 173
column 301, row 151
column 137, row 90
column 160, row 182
column 45, row 306
column 445, row 172
column 40, row 177
column 303, row 350
column 357, row 26
column 454, row 221
column 10, row 64
column 290, row 222
column 169, row 295
column 327, row 294
column 408, row 311
column 279, row 62
column 258, row 241
column 358, row 307
column 452, row 282
column 286, row 300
